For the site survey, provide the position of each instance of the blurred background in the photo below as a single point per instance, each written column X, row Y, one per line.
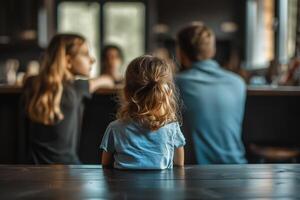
column 257, row 39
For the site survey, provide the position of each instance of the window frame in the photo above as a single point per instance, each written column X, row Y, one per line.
column 101, row 21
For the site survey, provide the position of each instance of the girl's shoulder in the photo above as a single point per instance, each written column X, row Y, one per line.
column 172, row 125
column 114, row 123
column 122, row 125
column 80, row 86
column 117, row 124
column 123, row 128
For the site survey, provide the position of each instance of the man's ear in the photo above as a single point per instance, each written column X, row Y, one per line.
column 184, row 59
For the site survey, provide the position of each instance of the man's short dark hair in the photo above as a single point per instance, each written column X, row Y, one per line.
column 197, row 41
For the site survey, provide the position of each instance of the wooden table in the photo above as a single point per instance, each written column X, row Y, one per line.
column 190, row 182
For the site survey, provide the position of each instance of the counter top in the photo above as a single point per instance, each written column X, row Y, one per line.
column 251, row 90
column 273, row 91
column 9, row 89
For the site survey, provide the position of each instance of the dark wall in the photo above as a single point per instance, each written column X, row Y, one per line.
column 212, row 12
column 99, row 112
column 19, row 15
column 9, row 123
column 18, row 31
column 272, row 120
column 269, row 120
column 16, row 17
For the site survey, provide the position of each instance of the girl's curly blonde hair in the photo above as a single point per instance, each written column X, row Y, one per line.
column 149, row 96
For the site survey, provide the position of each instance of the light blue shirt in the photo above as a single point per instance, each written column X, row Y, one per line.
column 214, row 101
column 135, row 147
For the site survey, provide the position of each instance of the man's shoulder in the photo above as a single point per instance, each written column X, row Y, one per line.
column 235, row 78
column 233, row 81
column 183, row 76
column 183, row 73
column 119, row 124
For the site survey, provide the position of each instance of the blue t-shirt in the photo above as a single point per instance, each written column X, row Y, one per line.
column 214, row 101
column 135, row 147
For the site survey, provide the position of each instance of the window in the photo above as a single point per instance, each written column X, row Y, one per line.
column 123, row 24
column 82, row 18
column 292, row 27
column 259, row 33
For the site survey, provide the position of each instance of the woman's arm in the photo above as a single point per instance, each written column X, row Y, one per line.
column 107, row 159
column 179, row 157
column 101, row 81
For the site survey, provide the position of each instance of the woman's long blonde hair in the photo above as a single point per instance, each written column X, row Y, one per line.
column 43, row 105
column 149, row 96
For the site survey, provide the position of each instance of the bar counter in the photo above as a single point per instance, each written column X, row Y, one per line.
column 191, row 182
column 251, row 90
column 273, row 91
column 272, row 116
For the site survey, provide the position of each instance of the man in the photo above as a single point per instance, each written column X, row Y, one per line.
column 213, row 98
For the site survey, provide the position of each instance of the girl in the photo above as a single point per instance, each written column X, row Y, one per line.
column 53, row 100
column 146, row 134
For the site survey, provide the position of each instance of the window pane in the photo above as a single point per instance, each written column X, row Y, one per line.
column 124, row 25
column 292, row 27
column 260, row 33
column 82, row 18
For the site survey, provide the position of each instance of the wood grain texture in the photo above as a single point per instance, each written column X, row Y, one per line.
column 190, row 182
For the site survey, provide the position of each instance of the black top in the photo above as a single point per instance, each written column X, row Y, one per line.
column 57, row 144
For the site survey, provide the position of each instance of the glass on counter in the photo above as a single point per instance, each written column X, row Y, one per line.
column 8, row 71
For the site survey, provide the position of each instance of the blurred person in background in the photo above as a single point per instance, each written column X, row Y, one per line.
column 111, row 61
column 53, row 100
column 214, row 100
